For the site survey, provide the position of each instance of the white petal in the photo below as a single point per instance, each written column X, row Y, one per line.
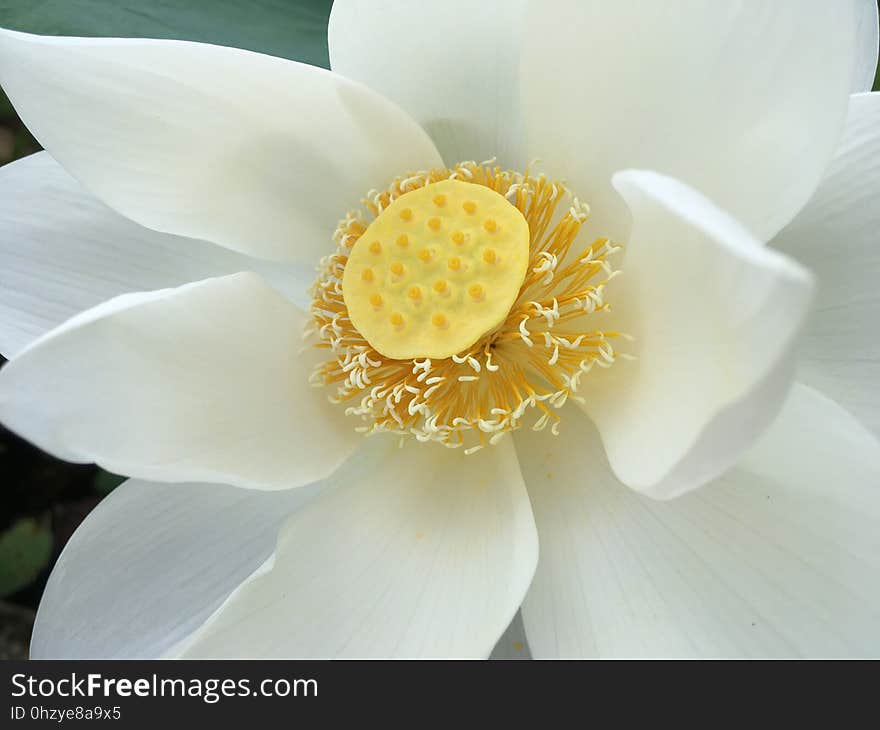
column 256, row 153
column 715, row 315
column 868, row 40
column 836, row 236
column 415, row 552
column 513, row 643
column 742, row 101
column 779, row 557
column 63, row 251
column 199, row 383
column 453, row 65
column 151, row 563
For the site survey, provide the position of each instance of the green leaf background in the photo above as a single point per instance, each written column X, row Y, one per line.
column 295, row 29
column 25, row 549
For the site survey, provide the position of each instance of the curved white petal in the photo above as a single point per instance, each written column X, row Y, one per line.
column 63, row 251
column 714, row 315
column 836, row 235
column 453, row 65
column 779, row 557
column 742, row 101
column 252, row 152
column 200, row 383
column 868, row 44
column 151, row 563
column 415, row 552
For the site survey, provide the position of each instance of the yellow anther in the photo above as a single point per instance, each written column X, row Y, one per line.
column 376, row 300
column 490, row 225
column 375, row 247
column 367, row 275
column 416, row 267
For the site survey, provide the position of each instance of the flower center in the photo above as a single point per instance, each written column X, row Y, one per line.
column 461, row 305
column 436, row 270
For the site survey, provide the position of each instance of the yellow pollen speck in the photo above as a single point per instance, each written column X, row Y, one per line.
column 417, row 263
column 375, row 247
column 367, row 275
column 517, row 645
column 376, row 300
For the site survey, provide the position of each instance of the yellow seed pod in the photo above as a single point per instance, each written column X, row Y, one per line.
column 445, row 290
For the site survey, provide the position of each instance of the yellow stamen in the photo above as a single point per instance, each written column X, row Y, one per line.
column 403, row 367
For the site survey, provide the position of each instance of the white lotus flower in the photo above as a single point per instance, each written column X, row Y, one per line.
column 258, row 519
